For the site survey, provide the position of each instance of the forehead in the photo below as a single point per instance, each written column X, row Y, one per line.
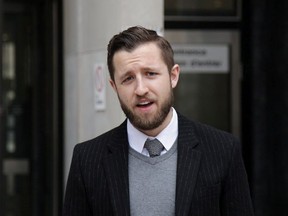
column 144, row 53
column 149, row 48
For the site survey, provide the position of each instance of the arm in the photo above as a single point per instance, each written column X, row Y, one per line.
column 236, row 200
column 75, row 202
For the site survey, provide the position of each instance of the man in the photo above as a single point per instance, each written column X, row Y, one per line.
column 197, row 170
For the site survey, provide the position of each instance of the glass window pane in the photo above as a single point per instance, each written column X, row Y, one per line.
column 201, row 8
column 203, row 97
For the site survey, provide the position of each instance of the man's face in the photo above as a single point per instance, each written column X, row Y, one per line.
column 144, row 87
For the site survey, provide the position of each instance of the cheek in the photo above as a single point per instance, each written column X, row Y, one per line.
column 164, row 89
column 124, row 96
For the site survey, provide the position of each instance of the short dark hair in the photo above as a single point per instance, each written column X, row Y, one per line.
column 131, row 38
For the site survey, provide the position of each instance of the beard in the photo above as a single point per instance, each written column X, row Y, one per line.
column 149, row 122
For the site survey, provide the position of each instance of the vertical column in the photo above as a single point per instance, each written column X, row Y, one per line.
column 88, row 26
column 1, row 120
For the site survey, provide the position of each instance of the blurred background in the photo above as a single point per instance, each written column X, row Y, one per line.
column 54, row 90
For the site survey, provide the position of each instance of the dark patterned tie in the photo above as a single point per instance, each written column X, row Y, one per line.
column 154, row 147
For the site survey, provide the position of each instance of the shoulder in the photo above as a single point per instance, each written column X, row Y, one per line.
column 206, row 135
column 101, row 142
column 217, row 147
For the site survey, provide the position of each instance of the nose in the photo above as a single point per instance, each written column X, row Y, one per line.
column 141, row 88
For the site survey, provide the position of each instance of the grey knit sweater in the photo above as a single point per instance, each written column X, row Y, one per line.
column 152, row 183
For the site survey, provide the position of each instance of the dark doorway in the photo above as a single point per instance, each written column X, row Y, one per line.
column 31, row 108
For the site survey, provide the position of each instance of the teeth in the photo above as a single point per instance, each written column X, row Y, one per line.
column 144, row 103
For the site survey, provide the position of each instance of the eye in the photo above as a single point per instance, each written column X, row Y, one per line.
column 127, row 79
column 151, row 74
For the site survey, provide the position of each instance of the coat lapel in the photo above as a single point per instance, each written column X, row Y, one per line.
column 187, row 166
column 116, row 170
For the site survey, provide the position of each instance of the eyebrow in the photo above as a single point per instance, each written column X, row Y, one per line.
column 129, row 72
column 149, row 68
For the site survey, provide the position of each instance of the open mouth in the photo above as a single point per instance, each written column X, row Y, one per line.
column 144, row 104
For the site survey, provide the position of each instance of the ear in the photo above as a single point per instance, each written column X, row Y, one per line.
column 174, row 76
column 112, row 83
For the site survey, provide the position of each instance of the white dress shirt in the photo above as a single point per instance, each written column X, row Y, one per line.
column 167, row 136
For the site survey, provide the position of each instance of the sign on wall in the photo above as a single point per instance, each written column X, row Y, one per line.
column 212, row 58
column 99, row 82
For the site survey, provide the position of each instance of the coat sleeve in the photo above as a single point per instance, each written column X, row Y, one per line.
column 76, row 202
column 236, row 199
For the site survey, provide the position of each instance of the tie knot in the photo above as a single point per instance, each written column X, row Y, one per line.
column 154, row 147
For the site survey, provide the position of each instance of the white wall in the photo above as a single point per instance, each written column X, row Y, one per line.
column 88, row 26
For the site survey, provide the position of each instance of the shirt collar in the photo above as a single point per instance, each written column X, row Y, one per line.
column 167, row 136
